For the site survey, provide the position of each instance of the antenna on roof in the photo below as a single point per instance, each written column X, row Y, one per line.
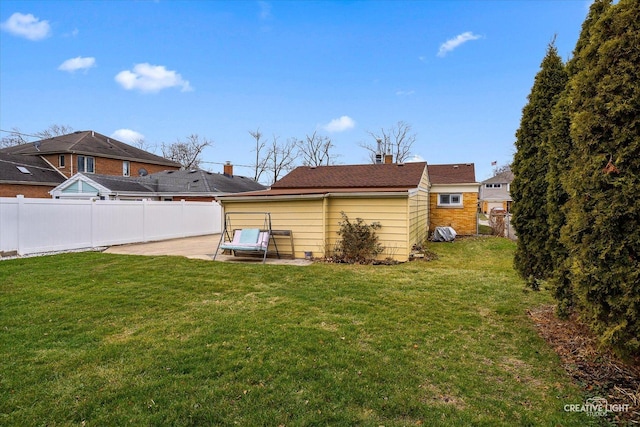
column 143, row 172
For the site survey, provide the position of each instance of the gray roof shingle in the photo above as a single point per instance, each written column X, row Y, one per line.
column 199, row 181
column 37, row 170
column 504, row 177
column 178, row 182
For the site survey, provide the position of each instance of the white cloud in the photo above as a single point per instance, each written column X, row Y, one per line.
column 405, row 92
column 127, row 136
column 416, row 158
column 27, row 26
column 151, row 78
column 340, row 125
column 78, row 63
column 453, row 43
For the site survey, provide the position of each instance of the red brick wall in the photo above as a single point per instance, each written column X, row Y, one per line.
column 103, row 165
column 29, row 191
column 54, row 160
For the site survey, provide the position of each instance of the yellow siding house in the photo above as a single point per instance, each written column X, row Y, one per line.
column 409, row 200
column 309, row 201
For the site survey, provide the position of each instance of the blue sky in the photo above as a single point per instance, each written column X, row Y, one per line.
column 458, row 72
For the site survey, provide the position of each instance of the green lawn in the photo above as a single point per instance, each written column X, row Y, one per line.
column 97, row 339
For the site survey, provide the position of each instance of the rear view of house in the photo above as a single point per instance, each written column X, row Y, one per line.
column 309, row 201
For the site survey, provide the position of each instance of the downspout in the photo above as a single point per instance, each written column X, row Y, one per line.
column 407, row 236
column 325, row 209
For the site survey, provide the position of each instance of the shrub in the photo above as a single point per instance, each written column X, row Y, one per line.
column 529, row 186
column 359, row 242
column 602, row 229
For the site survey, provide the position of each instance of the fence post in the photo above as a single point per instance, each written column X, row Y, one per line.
column 92, row 222
column 144, row 220
column 182, row 217
column 20, row 198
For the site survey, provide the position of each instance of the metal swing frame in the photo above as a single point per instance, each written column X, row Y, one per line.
column 266, row 228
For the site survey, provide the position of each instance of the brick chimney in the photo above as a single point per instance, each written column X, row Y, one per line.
column 388, row 158
column 228, row 168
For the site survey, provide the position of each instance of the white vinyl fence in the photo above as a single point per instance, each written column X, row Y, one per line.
column 45, row 225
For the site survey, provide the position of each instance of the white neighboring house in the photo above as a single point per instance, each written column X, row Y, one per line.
column 189, row 185
column 495, row 192
column 103, row 187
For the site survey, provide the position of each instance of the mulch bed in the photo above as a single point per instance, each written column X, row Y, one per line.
column 599, row 372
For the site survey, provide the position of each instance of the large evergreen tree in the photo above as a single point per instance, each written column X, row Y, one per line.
column 529, row 186
column 559, row 147
column 602, row 231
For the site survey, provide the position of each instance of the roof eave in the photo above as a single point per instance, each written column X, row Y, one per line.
column 41, row 183
column 316, row 196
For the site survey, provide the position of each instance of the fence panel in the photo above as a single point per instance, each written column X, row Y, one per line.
column 45, row 225
column 9, row 216
column 118, row 222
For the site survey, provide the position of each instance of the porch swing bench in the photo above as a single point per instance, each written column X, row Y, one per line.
column 247, row 240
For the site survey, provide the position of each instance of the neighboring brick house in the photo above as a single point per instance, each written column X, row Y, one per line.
column 30, row 176
column 89, row 152
column 188, row 185
column 495, row 192
column 453, row 197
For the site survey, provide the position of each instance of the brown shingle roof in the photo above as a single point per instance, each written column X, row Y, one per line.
column 380, row 176
column 89, row 143
column 460, row 173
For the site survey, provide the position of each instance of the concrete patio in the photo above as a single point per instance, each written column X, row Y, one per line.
column 199, row 247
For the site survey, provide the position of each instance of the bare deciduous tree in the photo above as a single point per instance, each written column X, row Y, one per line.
column 187, row 152
column 315, row 150
column 397, row 141
column 260, row 165
column 142, row 144
column 500, row 169
column 15, row 137
column 54, row 130
column 280, row 158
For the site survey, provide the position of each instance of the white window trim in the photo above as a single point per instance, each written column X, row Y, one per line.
column 451, row 205
column 84, row 168
column 126, row 168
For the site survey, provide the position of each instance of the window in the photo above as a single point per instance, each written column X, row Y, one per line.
column 126, row 168
column 449, row 199
column 86, row 164
column 61, row 160
column 493, row 186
